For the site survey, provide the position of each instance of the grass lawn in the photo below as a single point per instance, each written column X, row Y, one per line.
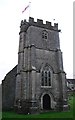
column 67, row 114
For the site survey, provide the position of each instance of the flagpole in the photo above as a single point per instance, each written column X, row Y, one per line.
column 29, row 8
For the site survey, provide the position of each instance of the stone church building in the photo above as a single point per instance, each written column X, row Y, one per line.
column 38, row 82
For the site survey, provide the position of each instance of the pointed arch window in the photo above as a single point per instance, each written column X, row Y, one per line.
column 46, row 77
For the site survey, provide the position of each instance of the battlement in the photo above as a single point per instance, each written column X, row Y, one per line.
column 39, row 23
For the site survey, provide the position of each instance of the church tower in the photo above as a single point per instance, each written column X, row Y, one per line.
column 41, row 80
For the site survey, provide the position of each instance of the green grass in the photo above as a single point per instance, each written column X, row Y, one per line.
column 67, row 114
column 43, row 115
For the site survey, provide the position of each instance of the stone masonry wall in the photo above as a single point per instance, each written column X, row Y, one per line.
column 8, row 89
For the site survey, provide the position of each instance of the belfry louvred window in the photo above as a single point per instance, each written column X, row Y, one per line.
column 44, row 34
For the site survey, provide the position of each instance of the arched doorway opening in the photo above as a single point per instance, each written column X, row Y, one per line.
column 46, row 102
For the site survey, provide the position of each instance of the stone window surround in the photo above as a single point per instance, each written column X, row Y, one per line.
column 43, row 82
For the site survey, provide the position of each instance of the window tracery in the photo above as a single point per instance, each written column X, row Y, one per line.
column 46, row 77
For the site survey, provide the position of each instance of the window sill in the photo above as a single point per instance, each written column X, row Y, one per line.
column 46, row 86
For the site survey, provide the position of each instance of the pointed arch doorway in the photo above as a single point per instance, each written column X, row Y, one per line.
column 46, row 102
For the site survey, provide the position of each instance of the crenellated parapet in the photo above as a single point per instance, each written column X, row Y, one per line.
column 24, row 25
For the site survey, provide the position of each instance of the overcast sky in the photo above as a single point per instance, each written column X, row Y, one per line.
column 10, row 17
